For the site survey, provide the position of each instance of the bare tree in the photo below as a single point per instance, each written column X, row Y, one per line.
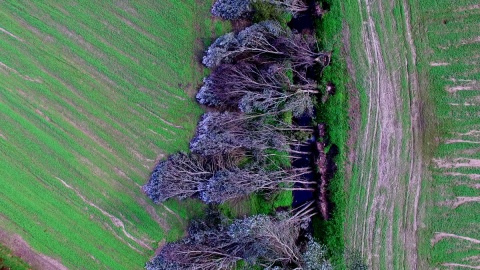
column 198, row 256
column 253, row 89
column 180, row 175
column 221, row 133
column 256, row 240
column 302, row 50
column 275, row 238
column 266, row 42
column 292, row 6
column 235, row 9
column 227, row 185
column 253, row 41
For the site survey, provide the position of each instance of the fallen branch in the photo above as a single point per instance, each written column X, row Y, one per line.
column 321, row 162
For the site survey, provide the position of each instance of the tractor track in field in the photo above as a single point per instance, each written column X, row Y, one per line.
column 387, row 155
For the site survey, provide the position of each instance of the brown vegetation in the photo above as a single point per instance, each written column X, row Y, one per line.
column 322, row 163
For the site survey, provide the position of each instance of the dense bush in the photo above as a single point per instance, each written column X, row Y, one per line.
column 315, row 256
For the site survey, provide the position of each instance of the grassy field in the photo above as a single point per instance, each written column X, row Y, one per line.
column 449, row 38
column 92, row 93
column 7, row 259
column 384, row 167
column 334, row 113
column 413, row 187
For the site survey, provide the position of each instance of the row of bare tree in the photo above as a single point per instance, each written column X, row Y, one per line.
column 217, row 179
column 261, row 90
column 263, row 68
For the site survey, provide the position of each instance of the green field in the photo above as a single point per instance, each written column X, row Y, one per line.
column 92, row 93
column 411, row 178
column 334, row 113
column 383, row 167
column 449, row 37
column 7, row 259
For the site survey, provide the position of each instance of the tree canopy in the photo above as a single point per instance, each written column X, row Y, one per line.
column 262, row 240
column 237, row 9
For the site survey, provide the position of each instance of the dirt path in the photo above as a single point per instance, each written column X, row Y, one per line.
column 440, row 236
column 384, row 223
column 21, row 249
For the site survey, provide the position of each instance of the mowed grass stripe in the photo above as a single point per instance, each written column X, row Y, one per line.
column 28, row 212
column 448, row 33
column 38, row 141
column 91, row 94
column 75, row 99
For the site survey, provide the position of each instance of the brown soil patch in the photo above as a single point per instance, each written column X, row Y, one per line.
column 469, row 86
column 471, row 7
column 463, row 200
column 457, row 163
column 439, row 236
column 457, row 265
column 460, row 141
column 81, row 41
column 151, row 211
column 21, row 249
column 454, row 89
column 354, row 105
column 470, row 41
column 173, row 213
column 473, row 259
column 471, row 176
column 14, row 71
column 161, row 244
column 464, row 104
column 475, row 133
column 439, row 64
column 136, row 27
column 158, row 117
column 322, row 167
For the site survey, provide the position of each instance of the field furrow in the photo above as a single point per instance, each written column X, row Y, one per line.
column 92, row 94
column 382, row 220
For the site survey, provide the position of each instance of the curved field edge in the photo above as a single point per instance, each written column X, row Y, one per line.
column 92, row 94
